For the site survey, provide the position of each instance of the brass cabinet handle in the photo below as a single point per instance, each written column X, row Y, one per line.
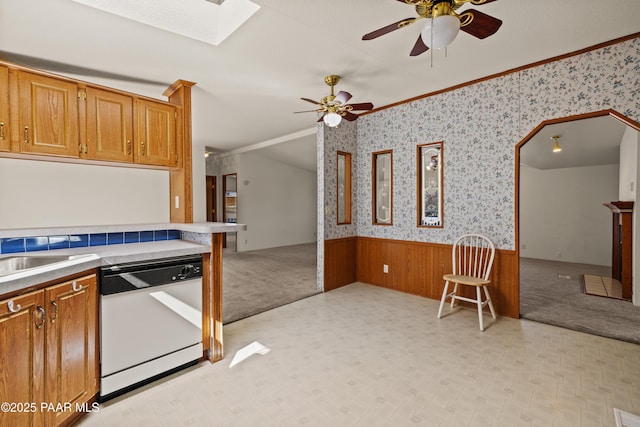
column 79, row 148
column 128, row 146
column 86, row 148
column 13, row 308
column 26, row 134
column 55, row 312
column 1, row 130
column 42, row 317
column 142, row 147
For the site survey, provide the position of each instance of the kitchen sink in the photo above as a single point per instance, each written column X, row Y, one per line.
column 15, row 264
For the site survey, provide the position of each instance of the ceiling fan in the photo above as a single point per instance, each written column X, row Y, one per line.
column 335, row 107
column 443, row 23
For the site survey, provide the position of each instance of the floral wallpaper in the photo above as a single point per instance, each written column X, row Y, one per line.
column 341, row 138
column 480, row 125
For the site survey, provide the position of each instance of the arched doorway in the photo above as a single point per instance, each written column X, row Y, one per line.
column 562, row 239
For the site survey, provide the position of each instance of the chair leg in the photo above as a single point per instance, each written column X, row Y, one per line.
column 454, row 293
column 486, row 292
column 479, row 302
column 444, row 296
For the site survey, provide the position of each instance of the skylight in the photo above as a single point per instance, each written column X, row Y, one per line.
column 202, row 20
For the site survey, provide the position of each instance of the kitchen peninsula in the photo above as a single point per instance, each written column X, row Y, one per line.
column 57, row 304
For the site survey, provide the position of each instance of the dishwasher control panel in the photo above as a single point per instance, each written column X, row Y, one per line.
column 139, row 275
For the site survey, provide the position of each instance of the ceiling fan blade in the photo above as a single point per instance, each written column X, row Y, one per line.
column 307, row 111
column 320, row 119
column 419, row 47
column 480, row 2
column 481, row 25
column 350, row 116
column 389, row 28
column 343, row 97
column 311, row 101
column 362, row 106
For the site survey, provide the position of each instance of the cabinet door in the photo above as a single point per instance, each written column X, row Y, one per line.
column 156, row 129
column 109, row 126
column 48, row 115
column 5, row 136
column 22, row 359
column 72, row 361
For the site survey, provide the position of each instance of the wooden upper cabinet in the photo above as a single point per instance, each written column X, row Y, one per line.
column 109, row 126
column 48, row 115
column 21, row 358
column 71, row 357
column 156, row 130
column 5, row 135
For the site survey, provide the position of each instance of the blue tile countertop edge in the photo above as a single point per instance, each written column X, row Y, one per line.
column 9, row 245
column 195, row 227
column 84, row 259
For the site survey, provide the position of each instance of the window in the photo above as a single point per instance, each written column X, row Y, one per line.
column 382, row 187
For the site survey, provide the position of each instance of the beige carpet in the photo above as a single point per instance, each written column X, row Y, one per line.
column 602, row 286
column 552, row 292
column 257, row 281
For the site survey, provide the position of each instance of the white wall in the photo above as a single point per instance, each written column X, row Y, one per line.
column 634, row 135
column 628, row 165
column 561, row 212
column 51, row 194
column 276, row 201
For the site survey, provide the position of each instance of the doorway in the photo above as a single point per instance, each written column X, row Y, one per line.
column 230, row 208
column 563, row 230
column 212, row 200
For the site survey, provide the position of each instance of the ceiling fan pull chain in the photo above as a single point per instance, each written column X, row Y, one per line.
column 431, row 47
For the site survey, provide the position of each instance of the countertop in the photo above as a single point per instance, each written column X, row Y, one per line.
column 195, row 227
column 96, row 256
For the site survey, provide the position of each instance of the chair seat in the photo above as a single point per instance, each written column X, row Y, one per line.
column 466, row 280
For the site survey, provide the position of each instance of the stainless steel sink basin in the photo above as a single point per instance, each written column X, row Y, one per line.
column 15, row 264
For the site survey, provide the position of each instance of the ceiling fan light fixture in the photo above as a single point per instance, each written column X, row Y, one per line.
column 439, row 32
column 556, row 146
column 332, row 119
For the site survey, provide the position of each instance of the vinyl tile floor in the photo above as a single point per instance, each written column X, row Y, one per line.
column 362, row 355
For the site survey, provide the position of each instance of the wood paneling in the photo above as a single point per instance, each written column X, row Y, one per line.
column 413, row 267
column 339, row 262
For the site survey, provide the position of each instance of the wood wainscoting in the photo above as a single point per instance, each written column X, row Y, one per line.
column 413, row 267
column 339, row 262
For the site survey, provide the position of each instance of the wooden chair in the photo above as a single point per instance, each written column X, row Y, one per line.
column 472, row 258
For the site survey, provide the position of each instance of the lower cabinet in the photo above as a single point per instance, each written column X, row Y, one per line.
column 48, row 354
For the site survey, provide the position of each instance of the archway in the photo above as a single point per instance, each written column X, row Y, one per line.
column 553, row 240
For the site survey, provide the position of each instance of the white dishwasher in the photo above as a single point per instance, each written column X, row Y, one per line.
column 150, row 321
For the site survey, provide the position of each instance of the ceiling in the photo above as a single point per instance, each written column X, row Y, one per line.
column 587, row 142
column 249, row 86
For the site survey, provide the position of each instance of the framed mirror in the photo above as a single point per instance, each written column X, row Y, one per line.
column 430, row 185
column 344, row 188
column 382, row 187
